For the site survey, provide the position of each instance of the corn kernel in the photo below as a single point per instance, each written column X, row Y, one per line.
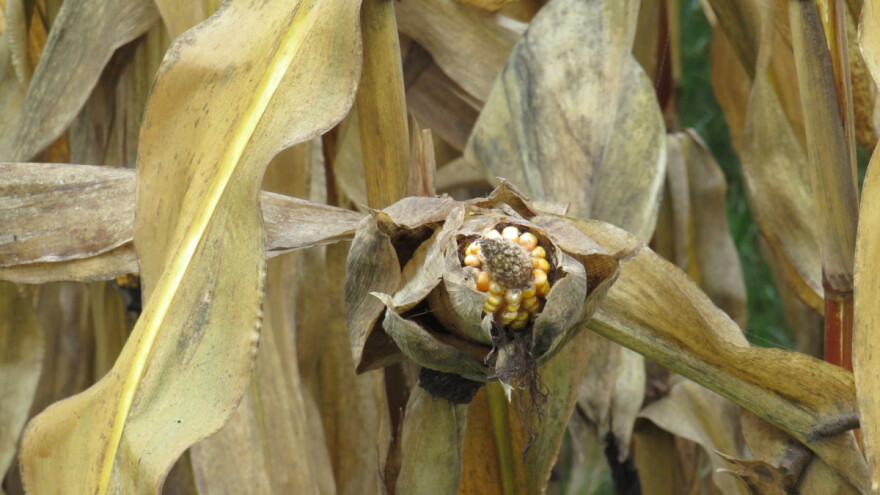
column 488, row 308
column 528, row 241
column 510, row 233
column 508, row 317
column 511, row 307
column 528, row 291
column 539, row 277
column 522, row 316
column 543, row 289
column 530, row 304
column 513, row 295
column 472, row 260
column 473, row 248
column 483, row 280
column 539, row 252
column 494, row 300
column 518, row 324
column 492, row 234
column 541, row 264
column 496, row 288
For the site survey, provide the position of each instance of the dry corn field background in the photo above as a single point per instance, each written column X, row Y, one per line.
column 437, row 247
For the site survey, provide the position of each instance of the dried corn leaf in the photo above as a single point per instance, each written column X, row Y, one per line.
column 867, row 321
column 432, row 441
column 731, row 85
column 740, row 19
column 21, row 360
column 657, row 467
column 487, row 461
column 491, row 5
column 267, row 446
column 784, row 461
column 442, row 105
column 202, row 290
column 357, row 443
column 780, row 194
column 111, row 323
column 549, row 134
column 832, row 171
column 131, row 96
column 68, row 70
column 758, row 476
column 470, row 46
column 714, row 262
column 76, row 222
column 655, row 310
column 180, row 16
column 705, row 418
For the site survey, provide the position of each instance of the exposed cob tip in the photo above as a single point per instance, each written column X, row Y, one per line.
column 513, row 273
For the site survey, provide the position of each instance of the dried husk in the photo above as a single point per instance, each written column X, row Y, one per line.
column 430, row 309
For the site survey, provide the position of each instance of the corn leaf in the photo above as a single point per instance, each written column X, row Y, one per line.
column 432, row 440
column 470, row 46
column 831, row 169
column 76, row 222
column 779, row 191
column 21, row 361
column 655, row 310
column 68, row 71
column 868, row 319
column 538, row 129
column 705, row 418
column 267, row 446
column 214, row 120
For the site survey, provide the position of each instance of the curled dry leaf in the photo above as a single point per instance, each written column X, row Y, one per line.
column 759, row 476
column 215, row 119
column 476, row 275
column 703, row 417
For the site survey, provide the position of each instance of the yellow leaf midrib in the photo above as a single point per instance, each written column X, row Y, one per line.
column 159, row 305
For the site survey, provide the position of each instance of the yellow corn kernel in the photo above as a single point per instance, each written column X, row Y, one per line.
column 512, row 295
column 541, row 264
column 539, row 252
column 522, row 316
column 528, row 291
column 488, row 308
column 472, row 260
column 539, row 277
column 543, row 289
column 518, row 324
column 508, row 317
column 495, row 300
column 492, row 234
column 510, row 233
column 530, row 304
column 528, row 241
column 473, row 248
column 483, row 280
column 511, row 307
column 496, row 288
